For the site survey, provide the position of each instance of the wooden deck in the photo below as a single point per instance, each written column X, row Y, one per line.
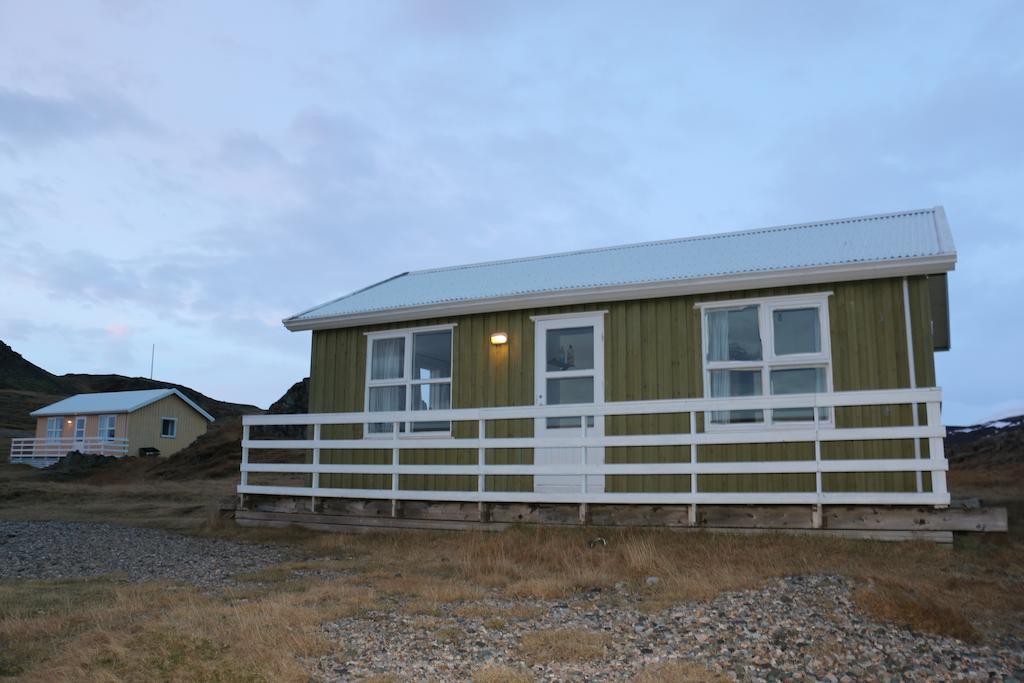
column 868, row 522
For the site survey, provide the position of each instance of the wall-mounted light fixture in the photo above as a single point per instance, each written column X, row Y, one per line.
column 499, row 338
column 69, row 421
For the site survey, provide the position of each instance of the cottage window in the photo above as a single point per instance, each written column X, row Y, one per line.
column 409, row 370
column 774, row 346
column 168, row 427
column 54, row 428
column 108, row 427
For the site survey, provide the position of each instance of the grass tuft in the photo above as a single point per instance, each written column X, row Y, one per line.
column 908, row 606
column 562, row 645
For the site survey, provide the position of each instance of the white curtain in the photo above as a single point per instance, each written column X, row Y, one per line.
column 718, row 335
column 718, row 349
column 384, row 399
column 720, row 388
column 388, row 358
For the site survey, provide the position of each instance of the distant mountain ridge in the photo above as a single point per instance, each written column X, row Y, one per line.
column 993, row 442
column 24, row 387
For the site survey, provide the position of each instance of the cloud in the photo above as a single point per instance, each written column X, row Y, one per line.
column 33, row 119
column 440, row 132
column 247, row 150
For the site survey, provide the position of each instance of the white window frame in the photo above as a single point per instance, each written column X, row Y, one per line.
column 769, row 360
column 174, row 428
column 103, row 428
column 84, row 421
column 407, row 380
column 51, row 429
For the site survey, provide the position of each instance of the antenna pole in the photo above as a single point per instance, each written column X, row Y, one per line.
column 152, row 356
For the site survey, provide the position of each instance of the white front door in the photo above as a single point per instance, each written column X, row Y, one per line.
column 569, row 362
column 79, row 433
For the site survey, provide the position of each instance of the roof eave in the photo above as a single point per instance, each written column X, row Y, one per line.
column 174, row 392
column 46, row 411
column 919, row 265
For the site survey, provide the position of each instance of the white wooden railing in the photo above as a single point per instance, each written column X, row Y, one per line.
column 816, row 433
column 43, row 452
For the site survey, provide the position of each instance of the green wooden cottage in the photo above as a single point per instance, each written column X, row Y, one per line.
column 786, row 366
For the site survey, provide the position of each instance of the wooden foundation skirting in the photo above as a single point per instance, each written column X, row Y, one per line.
column 881, row 523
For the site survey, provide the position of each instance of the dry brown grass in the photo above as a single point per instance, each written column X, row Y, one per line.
column 678, row 671
column 983, row 580
column 502, row 674
column 102, row 630
column 97, row 630
column 908, row 605
column 562, row 645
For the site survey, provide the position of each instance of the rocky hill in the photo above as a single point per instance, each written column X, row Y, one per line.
column 24, row 387
column 990, row 443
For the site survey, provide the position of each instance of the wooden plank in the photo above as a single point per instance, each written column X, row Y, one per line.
column 535, row 513
column 639, row 515
column 345, row 523
column 836, row 518
column 755, row 516
column 354, row 523
column 907, row 519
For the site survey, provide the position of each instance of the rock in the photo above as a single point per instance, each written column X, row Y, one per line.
column 795, row 629
column 52, row 549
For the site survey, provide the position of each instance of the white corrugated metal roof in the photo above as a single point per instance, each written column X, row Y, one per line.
column 893, row 239
column 113, row 402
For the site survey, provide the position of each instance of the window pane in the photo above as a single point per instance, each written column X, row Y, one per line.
column 107, row 427
column 797, row 330
column 431, row 397
column 798, row 381
column 432, row 355
column 734, row 334
column 570, row 349
column 54, row 427
column 570, row 390
column 384, row 399
column 736, row 383
column 387, row 358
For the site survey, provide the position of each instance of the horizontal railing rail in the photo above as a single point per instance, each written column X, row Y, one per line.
column 41, row 448
column 815, row 432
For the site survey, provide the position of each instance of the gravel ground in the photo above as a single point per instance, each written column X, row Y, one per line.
column 50, row 550
column 796, row 629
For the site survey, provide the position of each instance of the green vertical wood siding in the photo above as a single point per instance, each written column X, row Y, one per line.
column 652, row 351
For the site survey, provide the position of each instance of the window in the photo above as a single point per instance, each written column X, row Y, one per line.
column 769, row 346
column 409, row 370
column 168, row 427
column 54, row 428
column 108, row 427
column 569, row 371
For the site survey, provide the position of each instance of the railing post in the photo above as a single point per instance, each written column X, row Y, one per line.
column 395, row 461
column 935, row 450
column 316, row 465
column 692, row 512
column 816, row 513
column 481, row 460
column 245, row 461
column 583, row 479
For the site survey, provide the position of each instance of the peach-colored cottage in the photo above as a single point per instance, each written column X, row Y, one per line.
column 114, row 423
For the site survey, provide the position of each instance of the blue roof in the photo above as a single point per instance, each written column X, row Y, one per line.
column 903, row 236
column 111, row 402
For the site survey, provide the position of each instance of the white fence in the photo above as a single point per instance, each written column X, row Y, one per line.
column 44, row 452
column 811, row 432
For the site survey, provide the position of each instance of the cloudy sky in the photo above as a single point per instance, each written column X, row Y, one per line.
column 188, row 174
